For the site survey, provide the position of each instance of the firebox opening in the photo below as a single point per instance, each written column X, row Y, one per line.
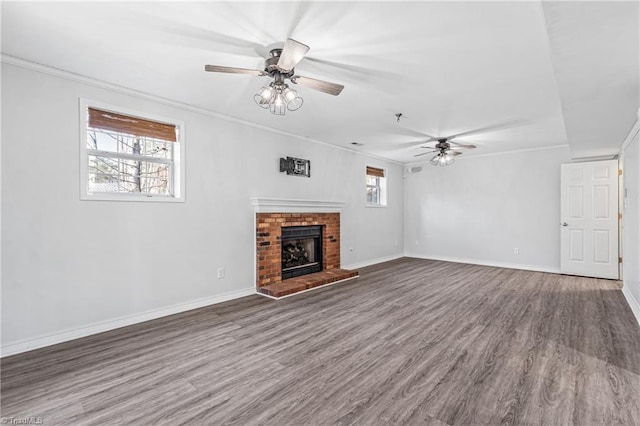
column 301, row 250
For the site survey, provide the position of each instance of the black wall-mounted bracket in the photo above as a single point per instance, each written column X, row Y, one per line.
column 295, row 166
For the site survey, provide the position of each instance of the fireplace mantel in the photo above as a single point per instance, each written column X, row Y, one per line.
column 283, row 205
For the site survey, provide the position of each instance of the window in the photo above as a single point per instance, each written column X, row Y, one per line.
column 376, row 187
column 128, row 156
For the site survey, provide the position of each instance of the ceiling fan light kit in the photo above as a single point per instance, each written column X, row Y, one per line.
column 277, row 96
column 442, row 159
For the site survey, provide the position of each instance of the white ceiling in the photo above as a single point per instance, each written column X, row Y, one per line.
column 537, row 74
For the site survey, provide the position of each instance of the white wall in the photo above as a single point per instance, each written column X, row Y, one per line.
column 480, row 209
column 69, row 264
column 630, row 160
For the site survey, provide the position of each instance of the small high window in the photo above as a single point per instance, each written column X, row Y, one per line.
column 376, row 187
column 128, row 156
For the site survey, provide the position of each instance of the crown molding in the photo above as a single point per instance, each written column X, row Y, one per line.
column 80, row 78
column 635, row 129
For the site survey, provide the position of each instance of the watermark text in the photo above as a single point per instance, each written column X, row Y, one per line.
column 21, row 420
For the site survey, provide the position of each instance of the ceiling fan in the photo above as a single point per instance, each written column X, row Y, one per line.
column 446, row 149
column 277, row 96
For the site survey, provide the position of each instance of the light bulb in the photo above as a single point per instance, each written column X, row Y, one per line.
column 289, row 94
column 279, row 99
column 263, row 97
column 294, row 101
column 278, row 105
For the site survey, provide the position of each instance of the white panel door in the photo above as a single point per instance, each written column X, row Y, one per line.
column 589, row 219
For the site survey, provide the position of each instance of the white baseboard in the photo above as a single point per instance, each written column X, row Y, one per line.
column 76, row 333
column 633, row 303
column 535, row 268
column 372, row 261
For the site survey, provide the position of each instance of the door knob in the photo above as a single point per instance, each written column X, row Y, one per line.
column 565, row 224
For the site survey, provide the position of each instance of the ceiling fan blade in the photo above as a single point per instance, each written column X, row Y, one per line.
column 461, row 145
column 491, row 128
column 292, row 53
column 172, row 30
column 322, row 86
column 232, row 70
column 424, row 153
column 430, row 140
column 405, row 145
column 430, row 137
column 355, row 72
column 453, row 153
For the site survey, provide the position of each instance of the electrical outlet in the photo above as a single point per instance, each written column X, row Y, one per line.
column 516, row 251
column 220, row 273
column 396, row 243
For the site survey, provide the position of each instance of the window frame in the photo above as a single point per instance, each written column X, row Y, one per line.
column 178, row 162
column 381, row 187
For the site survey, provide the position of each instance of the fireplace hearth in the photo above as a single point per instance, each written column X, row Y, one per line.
column 301, row 250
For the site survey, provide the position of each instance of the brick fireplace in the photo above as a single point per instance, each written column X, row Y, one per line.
column 268, row 238
column 269, row 252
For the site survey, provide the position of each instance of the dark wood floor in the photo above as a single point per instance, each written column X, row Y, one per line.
column 410, row 341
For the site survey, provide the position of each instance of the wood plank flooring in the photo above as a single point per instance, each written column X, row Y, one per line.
column 409, row 342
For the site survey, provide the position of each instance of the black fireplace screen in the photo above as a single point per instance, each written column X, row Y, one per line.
column 301, row 250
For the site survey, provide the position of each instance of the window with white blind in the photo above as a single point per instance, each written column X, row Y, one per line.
column 376, row 187
column 129, row 155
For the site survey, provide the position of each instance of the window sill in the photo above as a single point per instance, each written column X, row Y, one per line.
column 376, row 206
column 132, row 198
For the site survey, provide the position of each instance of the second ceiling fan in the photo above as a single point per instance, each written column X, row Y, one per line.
column 446, row 149
column 277, row 96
